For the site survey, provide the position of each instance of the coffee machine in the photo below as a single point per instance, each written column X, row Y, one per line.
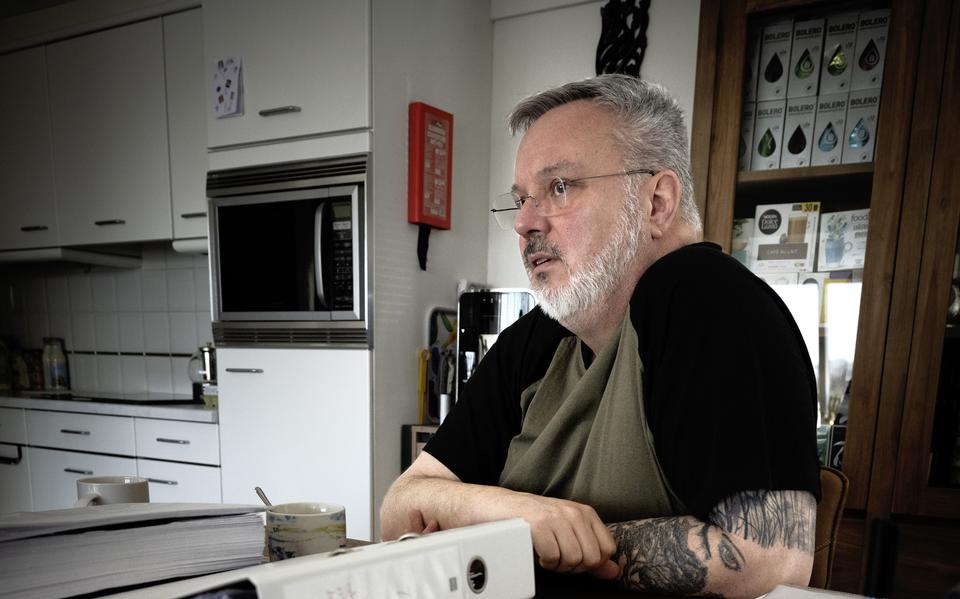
column 482, row 314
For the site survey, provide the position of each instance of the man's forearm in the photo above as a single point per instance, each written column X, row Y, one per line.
column 754, row 542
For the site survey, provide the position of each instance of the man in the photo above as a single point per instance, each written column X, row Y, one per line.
column 653, row 420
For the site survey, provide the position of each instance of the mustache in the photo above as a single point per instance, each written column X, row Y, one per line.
column 539, row 245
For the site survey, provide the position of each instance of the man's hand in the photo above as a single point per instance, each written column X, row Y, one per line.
column 567, row 536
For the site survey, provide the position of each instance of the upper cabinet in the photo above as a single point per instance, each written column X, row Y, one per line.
column 183, row 49
column 304, row 70
column 108, row 110
column 27, row 206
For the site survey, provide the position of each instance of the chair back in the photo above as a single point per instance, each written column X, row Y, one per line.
column 833, row 496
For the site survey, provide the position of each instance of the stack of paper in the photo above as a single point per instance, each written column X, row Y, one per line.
column 61, row 553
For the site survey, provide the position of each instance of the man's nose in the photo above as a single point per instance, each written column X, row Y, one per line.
column 530, row 220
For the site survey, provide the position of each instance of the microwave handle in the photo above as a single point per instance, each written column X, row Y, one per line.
column 318, row 251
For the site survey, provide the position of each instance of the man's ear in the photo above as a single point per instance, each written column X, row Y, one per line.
column 664, row 202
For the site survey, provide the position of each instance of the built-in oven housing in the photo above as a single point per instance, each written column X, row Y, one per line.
column 288, row 253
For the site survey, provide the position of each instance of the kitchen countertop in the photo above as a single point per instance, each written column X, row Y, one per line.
column 193, row 412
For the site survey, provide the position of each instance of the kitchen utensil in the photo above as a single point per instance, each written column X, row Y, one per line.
column 263, row 497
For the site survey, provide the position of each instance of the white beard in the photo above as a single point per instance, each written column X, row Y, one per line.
column 582, row 299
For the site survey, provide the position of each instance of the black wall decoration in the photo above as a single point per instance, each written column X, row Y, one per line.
column 623, row 39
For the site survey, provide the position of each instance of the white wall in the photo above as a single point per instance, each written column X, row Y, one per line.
column 438, row 52
column 536, row 50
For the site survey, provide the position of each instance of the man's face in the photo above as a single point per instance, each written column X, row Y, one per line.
column 579, row 257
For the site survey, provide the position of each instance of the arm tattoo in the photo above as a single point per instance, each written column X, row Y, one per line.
column 730, row 554
column 769, row 518
column 657, row 556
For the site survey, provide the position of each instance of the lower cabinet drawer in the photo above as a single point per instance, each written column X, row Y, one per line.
column 13, row 426
column 82, row 432
column 54, row 474
column 14, row 479
column 171, row 482
column 195, row 442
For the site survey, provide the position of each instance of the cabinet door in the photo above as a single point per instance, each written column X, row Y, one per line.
column 27, row 208
column 185, row 483
column 297, row 423
column 109, row 118
column 305, row 67
column 186, row 114
column 54, row 474
column 196, row 442
column 15, row 493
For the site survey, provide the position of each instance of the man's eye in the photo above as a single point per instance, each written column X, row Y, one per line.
column 558, row 187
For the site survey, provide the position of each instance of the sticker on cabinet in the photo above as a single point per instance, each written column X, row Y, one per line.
column 227, row 87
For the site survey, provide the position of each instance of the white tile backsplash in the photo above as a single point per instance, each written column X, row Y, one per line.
column 159, row 374
column 181, row 295
column 161, row 308
column 107, row 330
column 134, row 370
column 81, row 295
column 131, row 331
column 104, row 292
column 154, row 284
column 128, row 291
column 84, row 336
column 109, row 373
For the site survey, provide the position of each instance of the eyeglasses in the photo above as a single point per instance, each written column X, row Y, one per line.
column 558, row 195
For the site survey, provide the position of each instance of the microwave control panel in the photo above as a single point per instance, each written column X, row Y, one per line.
column 341, row 288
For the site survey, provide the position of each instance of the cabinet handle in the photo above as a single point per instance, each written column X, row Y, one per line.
column 31, row 228
column 176, row 441
column 112, row 221
column 279, row 110
column 193, row 215
column 160, row 481
column 70, row 431
column 246, row 370
column 13, row 461
column 77, row 471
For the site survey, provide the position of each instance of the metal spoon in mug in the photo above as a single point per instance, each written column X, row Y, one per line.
column 263, row 497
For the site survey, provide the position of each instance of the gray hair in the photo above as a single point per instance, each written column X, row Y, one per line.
column 651, row 133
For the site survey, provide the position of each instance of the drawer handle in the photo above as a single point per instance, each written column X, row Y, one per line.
column 112, row 221
column 193, row 215
column 175, row 441
column 31, row 228
column 246, row 370
column 13, row 461
column 70, row 431
column 77, row 471
column 279, row 110
column 160, row 481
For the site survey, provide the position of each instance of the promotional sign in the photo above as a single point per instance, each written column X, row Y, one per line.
column 785, row 237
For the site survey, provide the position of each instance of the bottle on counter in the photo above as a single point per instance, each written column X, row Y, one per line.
column 55, row 376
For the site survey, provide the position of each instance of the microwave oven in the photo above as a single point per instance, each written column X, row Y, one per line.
column 287, row 253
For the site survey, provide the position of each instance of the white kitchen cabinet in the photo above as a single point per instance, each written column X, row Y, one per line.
column 297, row 423
column 187, row 483
column 109, row 122
column 305, row 67
column 82, row 432
column 15, row 494
column 196, row 442
column 186, row 117
column 27, row 201
column 54, row 474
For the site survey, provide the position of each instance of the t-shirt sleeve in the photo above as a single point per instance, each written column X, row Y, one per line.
column 729, row 389
column 475, row 436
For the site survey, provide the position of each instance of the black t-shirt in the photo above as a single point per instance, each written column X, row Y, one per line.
column 729, row 389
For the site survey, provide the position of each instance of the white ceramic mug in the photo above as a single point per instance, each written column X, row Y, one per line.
column 295, row 529
column 101, row 490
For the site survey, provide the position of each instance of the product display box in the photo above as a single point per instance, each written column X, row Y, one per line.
column 871, row 49
column 798, row 132
column 806, row 54
column 843, row 240
column 747, row 117
column 754, row 35
column 774, row 61
column 779, row 278
column 785, row 237
column 860, row 134
column 839, row 48
column 767, row 135
column 741, row 241
column 829, row 130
